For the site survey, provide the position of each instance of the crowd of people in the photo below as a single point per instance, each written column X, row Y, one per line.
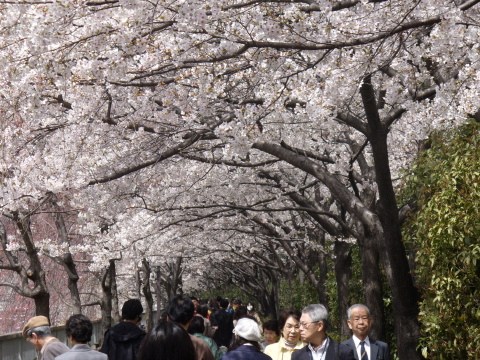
column 189, row 329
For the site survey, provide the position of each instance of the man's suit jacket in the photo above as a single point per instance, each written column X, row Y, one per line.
column 82, row 352
column 378, row 349
column 304, row 353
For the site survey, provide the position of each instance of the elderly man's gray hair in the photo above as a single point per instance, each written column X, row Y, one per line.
column 41, row 331
column 317, row 312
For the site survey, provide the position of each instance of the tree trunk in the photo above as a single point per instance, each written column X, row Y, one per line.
column 42, row 304
column 343, row 273
column 106, row 303
column 66, row 260
column 404, row 294
column 147, row 292
column 35, row 272
column 372, row 285
column 320, row 285
column 159, row 291
column 116, row 316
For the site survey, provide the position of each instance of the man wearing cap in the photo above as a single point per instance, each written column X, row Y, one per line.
column 122, row 341
column 37, row 332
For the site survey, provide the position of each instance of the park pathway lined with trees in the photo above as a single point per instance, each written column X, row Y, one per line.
column 153, row 147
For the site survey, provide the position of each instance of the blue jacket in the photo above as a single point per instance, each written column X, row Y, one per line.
column 245, row 352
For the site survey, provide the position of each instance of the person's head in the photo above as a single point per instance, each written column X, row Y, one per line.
column 132, row 310
column 236, row 303
column 223, row 303
column 250, row 308
column 197, row 325
column 359, row 320
column 271, row 331
column 195, row 302
column 240, row 312
column 213, row 304
column 313, row 324
column 36, row 331
column 203, row 310
column 247, row 331
column 181, row 310
column 289, row 325
column 167, row 341
column 79, row 329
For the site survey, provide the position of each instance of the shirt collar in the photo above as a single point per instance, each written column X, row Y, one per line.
column 319, row 348
column 356, row 340
column 297, row 346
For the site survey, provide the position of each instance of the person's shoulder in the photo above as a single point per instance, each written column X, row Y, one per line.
column 63, row 356
column 91, row 355
column 346, row 342
column 379, row 343
column 253, row 352
column 100, row 356
column 271, row 348
column 298, row 354
column 55, row 348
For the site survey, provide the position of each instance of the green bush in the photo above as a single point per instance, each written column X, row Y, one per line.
column 445, row 231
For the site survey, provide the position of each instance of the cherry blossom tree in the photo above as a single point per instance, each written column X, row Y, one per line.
column 110, row 99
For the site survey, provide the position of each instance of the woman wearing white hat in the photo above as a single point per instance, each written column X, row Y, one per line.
column 246, row 345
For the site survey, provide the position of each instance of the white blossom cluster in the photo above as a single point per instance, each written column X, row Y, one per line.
column 147, row 115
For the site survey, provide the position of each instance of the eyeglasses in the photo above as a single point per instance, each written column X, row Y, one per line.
column 292, row 327
column 306, row 324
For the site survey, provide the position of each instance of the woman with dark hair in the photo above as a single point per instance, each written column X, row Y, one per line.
column 289, row 324
column 246, row 344
column 167, row 341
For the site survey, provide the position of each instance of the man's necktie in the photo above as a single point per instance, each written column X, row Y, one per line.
column 363, row 352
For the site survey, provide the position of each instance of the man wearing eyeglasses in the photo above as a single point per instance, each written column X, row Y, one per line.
column 313, row 327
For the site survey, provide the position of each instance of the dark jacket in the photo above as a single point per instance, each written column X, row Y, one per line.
column 121, row 342
column 245, row 352
column 378, row 349
column 224, row 323
column 331, row 354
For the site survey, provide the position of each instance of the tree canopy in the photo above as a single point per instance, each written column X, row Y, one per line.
column 204, row 130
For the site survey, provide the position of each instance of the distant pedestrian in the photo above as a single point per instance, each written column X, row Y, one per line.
column 122, row 341
column 197, row 328
column 222, row 321
column 180, row 310
column 202, row 311
column 37, row 332
column 79, row 331
column 167, row 341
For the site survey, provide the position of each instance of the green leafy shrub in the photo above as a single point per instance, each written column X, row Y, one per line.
column 445, row 231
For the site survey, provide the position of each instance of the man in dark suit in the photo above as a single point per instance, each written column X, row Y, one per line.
column 360, row 344
column 313, row 326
